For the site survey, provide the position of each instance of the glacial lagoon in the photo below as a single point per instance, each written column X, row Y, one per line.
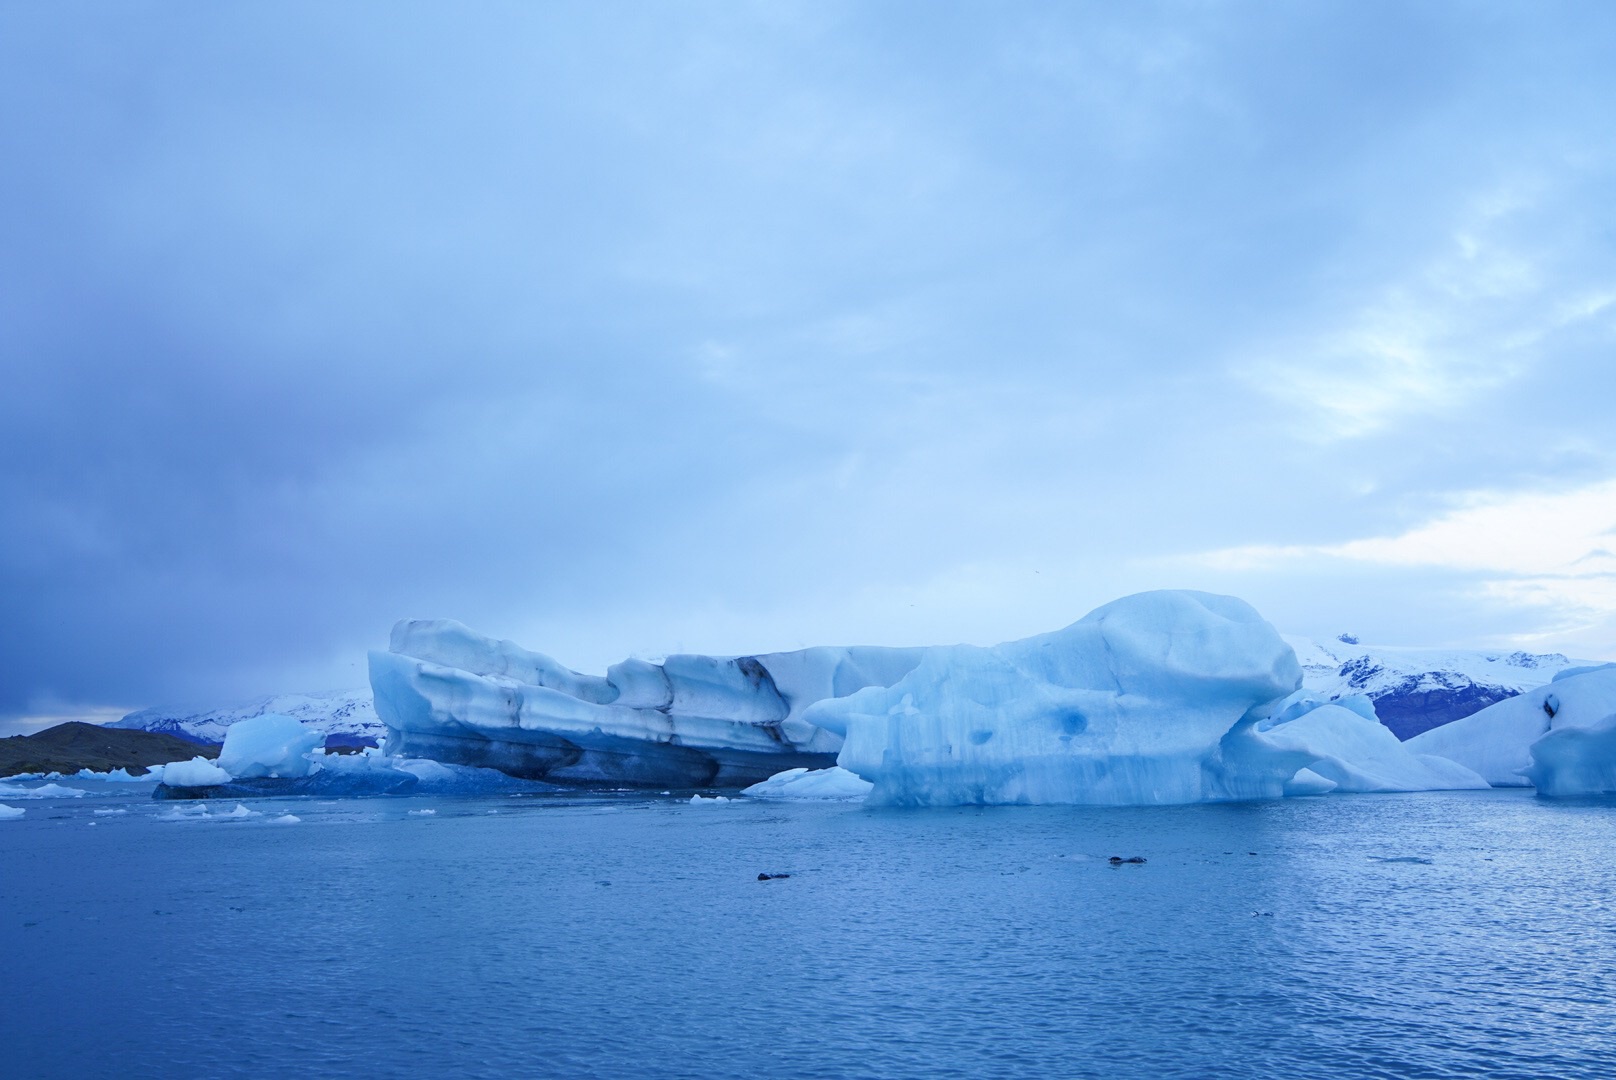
column 612, row 935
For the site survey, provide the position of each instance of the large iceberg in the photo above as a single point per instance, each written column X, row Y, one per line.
column 1154, row 698
column 447, row 693
column 1560, row 738
column 1163, row 697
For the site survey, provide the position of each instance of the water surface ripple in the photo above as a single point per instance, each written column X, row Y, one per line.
column 1434, row 935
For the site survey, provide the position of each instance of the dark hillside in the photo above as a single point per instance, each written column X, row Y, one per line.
column 67, row 748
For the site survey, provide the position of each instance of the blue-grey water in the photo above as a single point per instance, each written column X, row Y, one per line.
column 1464, row 934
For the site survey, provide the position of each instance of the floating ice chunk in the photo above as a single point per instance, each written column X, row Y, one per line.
column 117, row 776
column 11, row 813
column 269, row 745
column 44, row 791
column 185, row 812
column 1359, row 754
column 240, row 812
column 1150, row 699
column 1497, row 742
column 1575, row 760
column 286, row 819
column 422, row 813
column 811, row 784
column 702, row 800
column 1308, row 782
column 108, row 813
column 197, row 773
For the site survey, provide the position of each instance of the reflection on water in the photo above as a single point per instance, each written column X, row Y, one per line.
column 1398, row 936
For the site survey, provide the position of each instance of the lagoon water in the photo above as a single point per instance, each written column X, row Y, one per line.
column 1431, row 935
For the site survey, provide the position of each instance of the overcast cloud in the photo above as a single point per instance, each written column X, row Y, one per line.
column 632, row 329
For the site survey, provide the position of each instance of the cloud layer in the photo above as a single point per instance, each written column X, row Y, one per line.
column 725, row 327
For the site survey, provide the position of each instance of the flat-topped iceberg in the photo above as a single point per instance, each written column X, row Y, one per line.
column 447, row 693
column 835, row 784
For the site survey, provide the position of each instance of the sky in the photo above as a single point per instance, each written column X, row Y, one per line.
column 630, row 329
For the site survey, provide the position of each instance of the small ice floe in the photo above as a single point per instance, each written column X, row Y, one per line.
column 45, row 791
column 422, row 813
column 116, row 776
column 185, row 812
column 702, row 800
column 241, row 812
column 105, row 812
column 811, row 785
column 285, row 819
column 11, row 813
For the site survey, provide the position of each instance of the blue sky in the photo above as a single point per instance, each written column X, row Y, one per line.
column 633, row 329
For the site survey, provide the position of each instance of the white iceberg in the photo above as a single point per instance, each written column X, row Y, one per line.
column 1355, row 752
column 117, row 776
column 270, row 746
column 812, row 785
column 449, row 694
column 1164, row 697
column 199, row 772
column 1153, row 698
column 44, row 791
column 11, row 813
column 1560, row 738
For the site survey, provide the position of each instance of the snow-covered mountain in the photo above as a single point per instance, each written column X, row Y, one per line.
column 1415, row 690
column 346, row 717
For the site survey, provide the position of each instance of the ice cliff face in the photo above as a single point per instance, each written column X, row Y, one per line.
column 1415, row 690
column 447, row 693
